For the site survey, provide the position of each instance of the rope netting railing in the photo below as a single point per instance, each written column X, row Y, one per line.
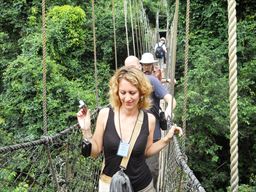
column 174, row 172
column 26, row 165
column 176, row 166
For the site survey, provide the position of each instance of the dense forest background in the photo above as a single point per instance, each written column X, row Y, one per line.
column 70, row 75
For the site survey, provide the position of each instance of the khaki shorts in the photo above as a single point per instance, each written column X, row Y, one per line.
column 103, row 187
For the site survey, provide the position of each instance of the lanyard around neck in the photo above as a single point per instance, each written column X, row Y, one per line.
column 121, row 129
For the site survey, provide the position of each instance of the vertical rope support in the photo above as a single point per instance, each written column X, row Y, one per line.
column 154, row 38
column 137, row 28
column 45, row 126
column 174, row 43
column 184, row 116
column 44, row 68
column 150, row 37
column 233, row 94
column 145, row 31
column 142, row 27
column 95, row 56
column 139, row 31
column 157, row 26
column 142, row 34
column 167, row 39
column 184, row 119
column 143, row 15
column 126, row 28
column 136, row 39
column 114, row 31
column 131, row 17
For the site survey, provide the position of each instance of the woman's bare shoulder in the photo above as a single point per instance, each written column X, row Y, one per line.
column 103, row 113
column 151, row 117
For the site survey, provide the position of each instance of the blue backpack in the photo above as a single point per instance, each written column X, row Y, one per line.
column 159, row 53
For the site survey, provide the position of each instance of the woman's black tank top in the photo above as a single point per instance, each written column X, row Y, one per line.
column 137, row 169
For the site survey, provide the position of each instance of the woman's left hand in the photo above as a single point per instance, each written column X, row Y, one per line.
column 174, row 130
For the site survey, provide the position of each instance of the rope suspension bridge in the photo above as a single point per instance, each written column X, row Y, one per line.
column 54, row 162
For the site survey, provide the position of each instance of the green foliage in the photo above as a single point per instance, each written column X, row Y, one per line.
column 8, row 177
column 152, row 7
column 244, row 188
column 70, row 77
column 23, row 97
column 23, row 187
column 208, row 118
column 12, row 17
column 246, row 98
column 66, row 33
column 105, row 34
column 6, row 137
column 8, row 52
column 31, row 44
column 104, row 28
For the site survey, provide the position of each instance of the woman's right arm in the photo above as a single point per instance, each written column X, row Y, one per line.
column 96, row 139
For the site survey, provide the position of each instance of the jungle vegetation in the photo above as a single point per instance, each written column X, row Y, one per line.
column 70, row 75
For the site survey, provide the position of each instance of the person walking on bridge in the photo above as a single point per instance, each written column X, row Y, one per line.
column 161, row 51
column 129, row 96
column 159, row 92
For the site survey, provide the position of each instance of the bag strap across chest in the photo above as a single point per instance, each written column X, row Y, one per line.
column 135, row 135
column 125, row 160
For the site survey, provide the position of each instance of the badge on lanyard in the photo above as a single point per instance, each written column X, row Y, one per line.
column 123, row 149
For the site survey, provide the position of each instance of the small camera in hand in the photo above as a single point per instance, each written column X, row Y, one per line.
column 83, row 106
column 162, row 121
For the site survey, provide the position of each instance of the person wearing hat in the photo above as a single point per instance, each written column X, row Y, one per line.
column 148, row 62
column 160, row 46
column 135, row 62
column 159, row 92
